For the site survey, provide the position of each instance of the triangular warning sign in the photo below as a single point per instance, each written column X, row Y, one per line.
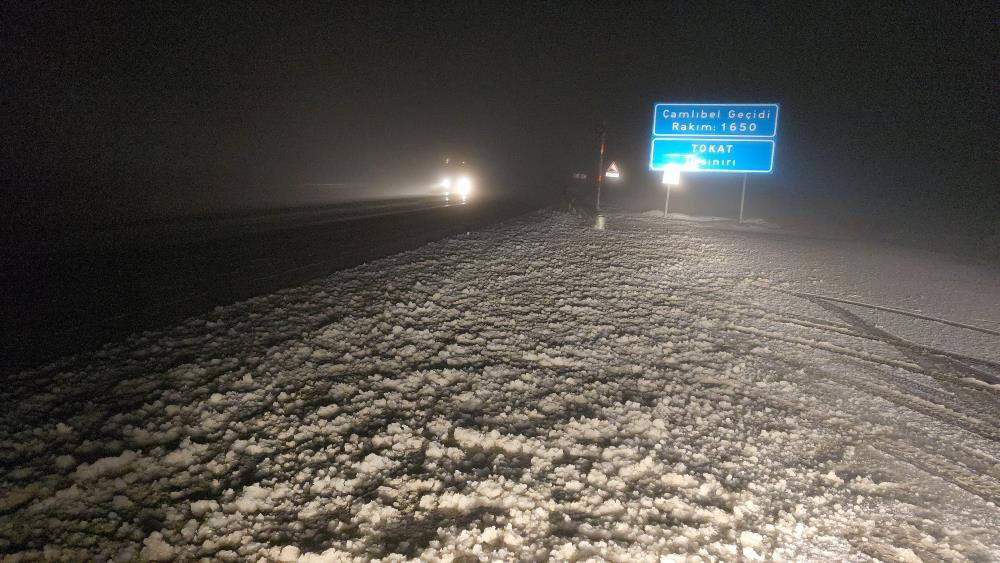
column 613, row 171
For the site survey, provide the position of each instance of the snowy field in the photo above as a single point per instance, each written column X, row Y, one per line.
column 536, row 390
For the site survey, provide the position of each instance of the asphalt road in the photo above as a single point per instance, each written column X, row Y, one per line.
column 80, row 290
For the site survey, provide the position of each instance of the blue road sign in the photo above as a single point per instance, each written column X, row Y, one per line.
column 715, row 120
column 699, row 154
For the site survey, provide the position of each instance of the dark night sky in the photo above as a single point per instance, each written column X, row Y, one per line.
column 892, row 101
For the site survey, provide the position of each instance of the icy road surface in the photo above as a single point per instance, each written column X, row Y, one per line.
column 535, row 390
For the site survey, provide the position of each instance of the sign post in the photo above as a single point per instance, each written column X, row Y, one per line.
column 709, row 137
column 743, row 196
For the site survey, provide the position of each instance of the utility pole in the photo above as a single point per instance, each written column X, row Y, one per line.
column 602, row 133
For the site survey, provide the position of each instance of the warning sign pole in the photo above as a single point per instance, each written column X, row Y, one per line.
column 602, row 130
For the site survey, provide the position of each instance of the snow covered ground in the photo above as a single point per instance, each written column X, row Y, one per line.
column 536, row 390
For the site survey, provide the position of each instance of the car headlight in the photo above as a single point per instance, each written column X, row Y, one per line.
column 464, row 185
column 445, row 182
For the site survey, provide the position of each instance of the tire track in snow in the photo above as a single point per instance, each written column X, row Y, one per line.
column 955, row 473
column 936, row 410
column 974, row 471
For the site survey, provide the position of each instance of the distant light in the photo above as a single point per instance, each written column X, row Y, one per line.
column 445, row 182
column 464, row 186
column 672, row 175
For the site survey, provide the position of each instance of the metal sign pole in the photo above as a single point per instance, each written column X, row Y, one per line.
column 600, row 169
column 666, row 206
column 743, row 196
